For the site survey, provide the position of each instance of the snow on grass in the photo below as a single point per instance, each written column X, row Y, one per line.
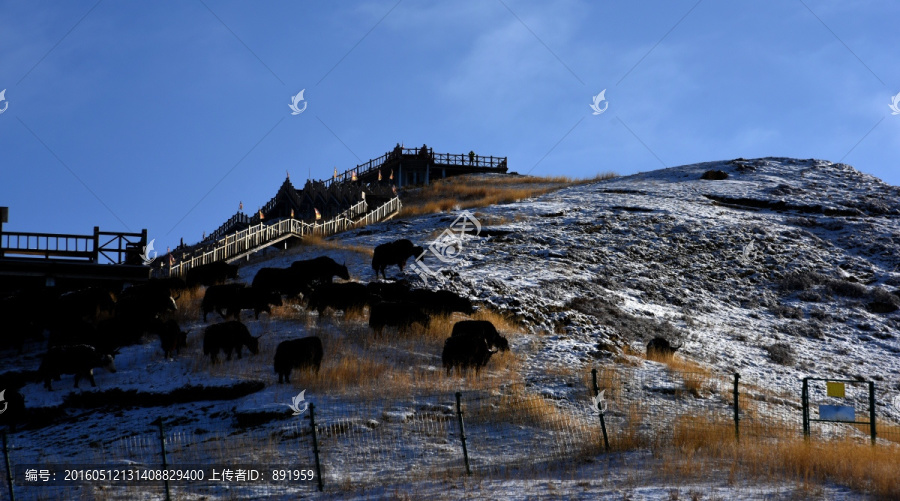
column 592, row 272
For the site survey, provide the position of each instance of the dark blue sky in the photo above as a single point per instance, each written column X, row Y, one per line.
column 165, row 115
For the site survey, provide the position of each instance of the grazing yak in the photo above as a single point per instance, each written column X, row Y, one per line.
column 228, row 337
column 391, row 253
column 143, row 303
column 320, row 270
column 232, row 298
column 91, row 305
column 297, row 353
column 211, row 274
column 387, row 291
column 342, row 297
column 466, row 351
column 483, row 329
column 659, row 347
column 279, row 280
column 173, row 286
column 79, row 359
column 219, row 297
column 440, row 302
column 400, row 314
column 258, row 300
column 171, row 337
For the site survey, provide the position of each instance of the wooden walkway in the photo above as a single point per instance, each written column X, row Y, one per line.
column 70, row 261
column 99, row 248
column 368, row 171
column 257, row 237
column 412, row 164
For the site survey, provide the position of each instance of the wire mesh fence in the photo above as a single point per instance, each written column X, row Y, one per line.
column 382, row 441
column 511, row 429
column 508, row 430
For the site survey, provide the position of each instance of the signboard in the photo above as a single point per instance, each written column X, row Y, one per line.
column 835, row 389
column 837, row 413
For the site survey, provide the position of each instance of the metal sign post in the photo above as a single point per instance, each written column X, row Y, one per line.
column 837, row 413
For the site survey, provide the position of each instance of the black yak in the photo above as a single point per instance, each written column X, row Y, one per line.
column 172, row 285
column 218, row 298
column 228, row 337
column 211, row 274
column 342, row 297
column 659, row 347
column 171, row 337
column 79, row 359
column 387, row 291
column 391, row 253
column 91, row 305
column 440, row 302
column 399, row 314
column 281, row 280
column 320, row 270
column 142, row 303
column 466, row 351
column 483, row 329
column 251, row 298
column 297, row 353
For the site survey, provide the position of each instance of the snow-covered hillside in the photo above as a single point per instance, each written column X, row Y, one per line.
column 783, row 250
column 800, row 252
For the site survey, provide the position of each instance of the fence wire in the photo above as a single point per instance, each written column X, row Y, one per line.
column 510, row 430
column 382, row 441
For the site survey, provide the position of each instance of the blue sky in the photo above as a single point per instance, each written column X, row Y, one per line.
column 165, row 115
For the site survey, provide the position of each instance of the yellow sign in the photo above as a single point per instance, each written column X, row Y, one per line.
column 835, row 389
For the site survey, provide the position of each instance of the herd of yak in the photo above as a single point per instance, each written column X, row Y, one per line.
column 88, row 327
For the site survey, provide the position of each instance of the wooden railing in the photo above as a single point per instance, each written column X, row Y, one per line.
column 115, row 247
column 48, row 245
column 463, row 159
column 255, row 237
column 221, row 231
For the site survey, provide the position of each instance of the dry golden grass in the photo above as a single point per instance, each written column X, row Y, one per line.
column 700, row 444
column 697, row 378
column 504, row 323
column 883, row 430
column 292, row 309
column 319, row 241
column 494, row 219
column 394, row 365
column 519, row 406
column 188, row 304
column 466, row 192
